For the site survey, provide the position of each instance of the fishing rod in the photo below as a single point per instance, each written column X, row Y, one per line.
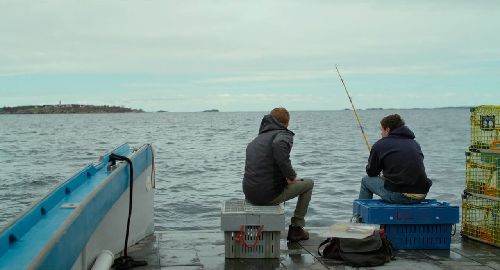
column 355, row 112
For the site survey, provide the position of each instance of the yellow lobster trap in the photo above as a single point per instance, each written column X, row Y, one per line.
column 485, row 127
column 481, row 218
column 483, row 172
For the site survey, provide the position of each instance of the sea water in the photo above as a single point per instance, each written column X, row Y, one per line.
column 200, row 157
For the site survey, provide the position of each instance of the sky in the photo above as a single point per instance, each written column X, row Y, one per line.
column 250, row 55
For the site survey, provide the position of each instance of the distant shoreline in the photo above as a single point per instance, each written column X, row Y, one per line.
column 380, row 109
column 89, row 109
column 457, row 107
column 66, row 109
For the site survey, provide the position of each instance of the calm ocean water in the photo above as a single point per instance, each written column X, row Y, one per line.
column 200, row 157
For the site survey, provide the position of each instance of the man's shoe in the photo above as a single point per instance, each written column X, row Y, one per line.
column 297, row 233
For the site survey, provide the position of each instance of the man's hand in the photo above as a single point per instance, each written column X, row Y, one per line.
column 291, row 181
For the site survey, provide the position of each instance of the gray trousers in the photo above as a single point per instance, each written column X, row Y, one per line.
column 303, row 189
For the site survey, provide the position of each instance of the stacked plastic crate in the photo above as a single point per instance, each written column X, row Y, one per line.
column 425, row 225
column 251, row 231
column 481, row 199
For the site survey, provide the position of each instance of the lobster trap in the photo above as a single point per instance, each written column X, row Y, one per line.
column 483, row 173
column 481, row 218
column 485, row 127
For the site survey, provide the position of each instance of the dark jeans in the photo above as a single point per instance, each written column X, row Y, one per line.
column 375, row 185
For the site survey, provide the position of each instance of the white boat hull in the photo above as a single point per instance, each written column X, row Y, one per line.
column 110, row 234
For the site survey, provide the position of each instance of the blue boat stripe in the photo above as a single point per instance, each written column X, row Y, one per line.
column 73, row 235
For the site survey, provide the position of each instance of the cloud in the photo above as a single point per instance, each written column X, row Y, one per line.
column 151, row 85
column 184, row 36
column 273, row 76
column 241, row 55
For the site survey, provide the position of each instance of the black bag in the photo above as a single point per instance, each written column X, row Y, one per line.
column 373, row 250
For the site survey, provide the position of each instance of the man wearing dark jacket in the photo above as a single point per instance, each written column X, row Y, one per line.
column 399, row 157
column 269, row 177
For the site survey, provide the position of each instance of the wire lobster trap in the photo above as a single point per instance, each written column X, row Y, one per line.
column 485, row 127
column 481, row 218
column 483, row 173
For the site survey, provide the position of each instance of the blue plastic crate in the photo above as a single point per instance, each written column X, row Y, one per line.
column 419, row 236
column 426, row 212
column 426, row 225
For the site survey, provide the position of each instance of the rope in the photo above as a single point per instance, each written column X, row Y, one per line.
column 126, row 262
column 117, row 157
column 240, row 237
column 153, row 169
column 454, row 229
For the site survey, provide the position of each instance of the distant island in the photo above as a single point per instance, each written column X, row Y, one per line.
column 212, row 110
column 66, row 108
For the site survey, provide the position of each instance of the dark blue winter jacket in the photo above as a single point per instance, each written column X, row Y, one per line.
column 401, row 161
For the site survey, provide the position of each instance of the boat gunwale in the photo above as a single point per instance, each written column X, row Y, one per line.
column 54, row 189
column 82, row 206
column 57, row 194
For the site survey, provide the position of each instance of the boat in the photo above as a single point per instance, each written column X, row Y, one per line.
column 103, row 209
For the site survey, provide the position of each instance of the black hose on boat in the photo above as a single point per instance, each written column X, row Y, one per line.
column 126, row 262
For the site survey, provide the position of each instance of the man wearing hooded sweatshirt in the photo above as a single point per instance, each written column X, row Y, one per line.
column 269, row 177
column 399, row 157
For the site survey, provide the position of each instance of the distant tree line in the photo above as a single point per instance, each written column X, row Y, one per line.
column 65, row 108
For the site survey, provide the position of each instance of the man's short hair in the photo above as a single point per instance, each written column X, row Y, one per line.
column 281, row 114
column 392, row 121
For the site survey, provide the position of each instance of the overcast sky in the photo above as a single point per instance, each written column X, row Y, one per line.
column 250, row 55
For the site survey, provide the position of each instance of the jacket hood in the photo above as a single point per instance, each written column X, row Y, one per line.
column 402, row 131
column 270, row 123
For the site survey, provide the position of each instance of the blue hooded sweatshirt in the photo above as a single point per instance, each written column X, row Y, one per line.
column 401, row 161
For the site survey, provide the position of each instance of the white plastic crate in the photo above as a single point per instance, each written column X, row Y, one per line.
column 241, row 219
